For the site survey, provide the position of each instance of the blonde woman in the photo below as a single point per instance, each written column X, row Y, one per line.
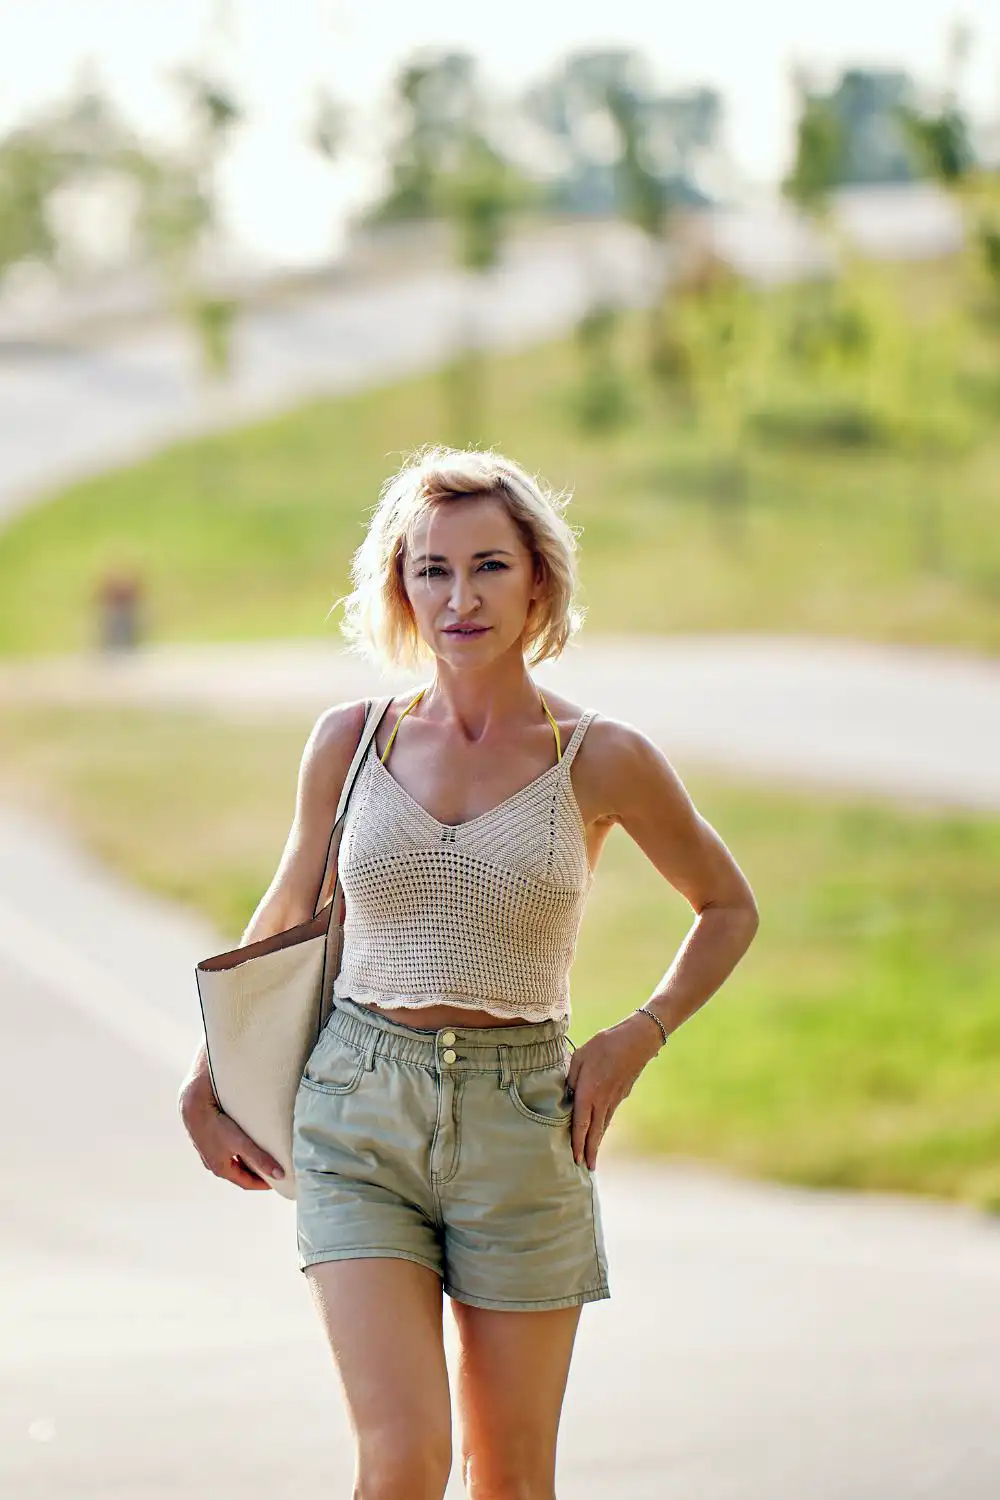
column 446, row 1135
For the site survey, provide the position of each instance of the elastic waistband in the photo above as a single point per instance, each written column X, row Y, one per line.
column 476, row 1049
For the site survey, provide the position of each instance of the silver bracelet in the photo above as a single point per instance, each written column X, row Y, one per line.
column 645, row 1011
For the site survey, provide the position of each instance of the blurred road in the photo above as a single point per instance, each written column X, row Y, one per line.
column 66, row 412
column 156, row 1339
column 902, row 724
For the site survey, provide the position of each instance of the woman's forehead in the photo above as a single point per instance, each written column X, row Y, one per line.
column 464, row 525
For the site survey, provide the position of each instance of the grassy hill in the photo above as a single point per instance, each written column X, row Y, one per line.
column 858, row 510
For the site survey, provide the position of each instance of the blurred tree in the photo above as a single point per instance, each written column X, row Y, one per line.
column 819, row 150
column 178, row 214
column 580, row 147
column 434, row 101
column 177, row 224
column 30, row 171
column 941, row 134
column 722, row 326
column 478, row 194
column 447, row 163
column 851, row 134
column 620, row 146
column 62, row 146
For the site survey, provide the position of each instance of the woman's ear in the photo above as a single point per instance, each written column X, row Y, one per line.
column 538, row 577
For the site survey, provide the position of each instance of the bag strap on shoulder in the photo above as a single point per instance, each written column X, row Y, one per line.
column 374, row 714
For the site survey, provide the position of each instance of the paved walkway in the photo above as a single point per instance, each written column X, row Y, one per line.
column 902, row 724
column 156, row 1339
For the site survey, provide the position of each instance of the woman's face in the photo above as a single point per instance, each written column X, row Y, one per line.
column 470, row 580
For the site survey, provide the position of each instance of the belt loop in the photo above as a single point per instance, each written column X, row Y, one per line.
column 371, row 1049
column 506, row 1075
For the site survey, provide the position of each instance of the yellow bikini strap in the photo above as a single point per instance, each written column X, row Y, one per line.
column 385, row 753
column 555, row 727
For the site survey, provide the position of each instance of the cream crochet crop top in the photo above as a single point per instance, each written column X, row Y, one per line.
column 483, row 914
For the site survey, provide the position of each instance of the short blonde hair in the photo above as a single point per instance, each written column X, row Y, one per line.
column 378, row 620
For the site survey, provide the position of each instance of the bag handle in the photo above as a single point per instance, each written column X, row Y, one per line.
column 374, row 714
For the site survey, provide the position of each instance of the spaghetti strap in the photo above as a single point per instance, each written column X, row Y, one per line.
column 412, row 704
column 576, row 738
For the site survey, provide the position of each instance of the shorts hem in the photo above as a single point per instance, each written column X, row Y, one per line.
column 367, row 1252
column 498, row 1304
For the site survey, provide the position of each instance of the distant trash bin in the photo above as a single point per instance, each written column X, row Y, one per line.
column 119, row 609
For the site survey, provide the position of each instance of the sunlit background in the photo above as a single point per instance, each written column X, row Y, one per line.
column 731, row 276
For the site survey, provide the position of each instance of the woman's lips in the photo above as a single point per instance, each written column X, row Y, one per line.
column 466, row 629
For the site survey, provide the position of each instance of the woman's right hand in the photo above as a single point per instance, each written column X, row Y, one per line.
column 223, row 1146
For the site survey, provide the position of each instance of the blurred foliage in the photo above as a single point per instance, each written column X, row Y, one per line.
column 790, row 482
column 448, row 160
column 579, row 108
column 601, row 399
column 30, row 171
column 863, row 130
column 856, row 1045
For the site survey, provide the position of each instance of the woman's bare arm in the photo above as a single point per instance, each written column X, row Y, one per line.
column 633, row 784
column 288, row 900
column 292, row 895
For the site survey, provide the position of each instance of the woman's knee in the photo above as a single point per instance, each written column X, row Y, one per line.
column 493, row 1479
column 394, row 1465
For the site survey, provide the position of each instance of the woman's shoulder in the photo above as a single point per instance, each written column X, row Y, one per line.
column 332, row 742
column 607, row 738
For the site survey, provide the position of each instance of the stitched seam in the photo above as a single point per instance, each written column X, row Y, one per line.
column 329, row 1088
column 434, row 1178
column 593, row 1220
column 456, row 1116
column 519, row 1104
column 359, row 1251
column 571, row 1298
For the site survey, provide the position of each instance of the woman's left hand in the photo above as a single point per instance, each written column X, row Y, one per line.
column 601, row 1075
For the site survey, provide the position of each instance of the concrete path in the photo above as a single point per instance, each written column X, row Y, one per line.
column 902, row 724
column 78, row 410
column 156, row 1339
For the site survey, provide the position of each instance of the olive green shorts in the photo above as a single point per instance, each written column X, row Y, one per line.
column 450, row 1148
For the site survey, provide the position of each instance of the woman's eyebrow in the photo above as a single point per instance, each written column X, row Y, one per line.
column 440, row 557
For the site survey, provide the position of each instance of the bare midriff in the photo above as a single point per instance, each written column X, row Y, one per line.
column 433, row 1017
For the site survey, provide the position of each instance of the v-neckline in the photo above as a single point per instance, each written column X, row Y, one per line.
column 467, row 822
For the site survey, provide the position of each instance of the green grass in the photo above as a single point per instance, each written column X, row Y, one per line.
column 858, row 1044
column 249, row 535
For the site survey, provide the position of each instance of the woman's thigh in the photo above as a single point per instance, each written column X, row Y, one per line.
column 512, row 1375
column 383, row 1322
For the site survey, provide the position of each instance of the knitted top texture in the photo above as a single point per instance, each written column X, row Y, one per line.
column 483, row 914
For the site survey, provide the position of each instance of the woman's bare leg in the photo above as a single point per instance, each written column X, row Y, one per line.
column 512, row 1378
column 383, row 1323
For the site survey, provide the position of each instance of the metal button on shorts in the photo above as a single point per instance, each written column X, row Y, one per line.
column 451, row 1149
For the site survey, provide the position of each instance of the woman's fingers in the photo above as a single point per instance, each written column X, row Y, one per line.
column 238, row 1172
column 233, row 1156
column 595, row 1135
column 580, row 1124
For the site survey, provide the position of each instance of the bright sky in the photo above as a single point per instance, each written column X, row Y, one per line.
column 286, row 204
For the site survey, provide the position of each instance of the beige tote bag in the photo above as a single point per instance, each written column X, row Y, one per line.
column 263, row 1006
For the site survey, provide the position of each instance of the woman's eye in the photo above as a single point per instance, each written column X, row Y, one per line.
column 434, row 568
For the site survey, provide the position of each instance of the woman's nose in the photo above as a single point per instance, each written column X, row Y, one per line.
column 463, row 594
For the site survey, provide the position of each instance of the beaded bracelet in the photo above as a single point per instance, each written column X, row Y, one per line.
column 645, row 1011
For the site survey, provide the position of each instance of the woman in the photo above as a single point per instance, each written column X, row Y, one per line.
column 445, row 1136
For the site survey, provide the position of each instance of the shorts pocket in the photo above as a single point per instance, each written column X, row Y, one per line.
column 542, row 1095
column 333, row 1067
